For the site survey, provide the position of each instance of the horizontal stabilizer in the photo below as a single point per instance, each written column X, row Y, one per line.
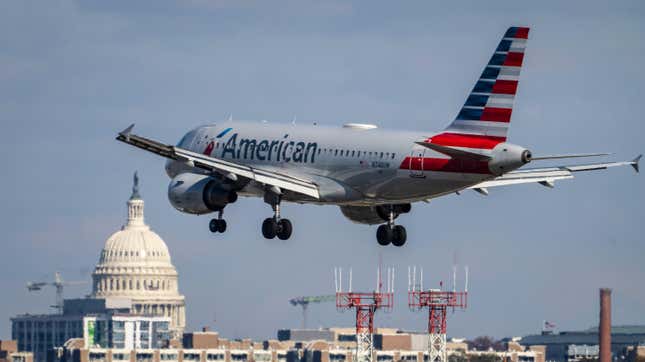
column 454, row 152
column 547, row 176
column 575, row 155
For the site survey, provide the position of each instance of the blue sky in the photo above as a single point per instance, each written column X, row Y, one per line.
column 73, row 73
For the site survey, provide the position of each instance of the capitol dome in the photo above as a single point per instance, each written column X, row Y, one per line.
column 135, row 264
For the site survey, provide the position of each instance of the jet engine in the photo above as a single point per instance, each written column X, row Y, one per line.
column 199, row 194
column 508, row 157
column 373, row 215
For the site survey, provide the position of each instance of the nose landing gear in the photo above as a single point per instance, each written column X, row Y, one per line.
column 218, row 225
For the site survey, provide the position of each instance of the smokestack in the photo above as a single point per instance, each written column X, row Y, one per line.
column 604, row 327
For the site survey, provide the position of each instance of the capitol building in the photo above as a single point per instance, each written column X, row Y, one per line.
column 134, row 279
column 135, row 264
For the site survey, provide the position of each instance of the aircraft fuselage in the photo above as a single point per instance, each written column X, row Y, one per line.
column 378, row 166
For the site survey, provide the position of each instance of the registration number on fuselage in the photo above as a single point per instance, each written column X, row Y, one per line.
column 380, row 164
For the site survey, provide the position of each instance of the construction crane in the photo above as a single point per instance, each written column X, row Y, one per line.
column 305, row 301
column 59, row 284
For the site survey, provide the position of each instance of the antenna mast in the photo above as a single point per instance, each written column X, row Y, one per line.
column 366, row 305
column 437, row 301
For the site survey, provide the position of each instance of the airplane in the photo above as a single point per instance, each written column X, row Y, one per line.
column 373, row 175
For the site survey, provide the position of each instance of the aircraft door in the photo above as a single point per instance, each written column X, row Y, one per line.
column 417, row 157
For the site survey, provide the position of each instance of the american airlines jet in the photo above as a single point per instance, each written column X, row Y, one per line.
column 373, row 175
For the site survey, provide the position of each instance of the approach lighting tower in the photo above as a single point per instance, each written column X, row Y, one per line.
column 305, row 301
column 437, row 301
column 365, row 304
column 59, row 284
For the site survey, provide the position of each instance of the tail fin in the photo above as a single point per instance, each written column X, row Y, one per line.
column 485, row 117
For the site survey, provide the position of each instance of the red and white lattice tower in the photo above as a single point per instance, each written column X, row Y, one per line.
column 437, row 301
column 365, row 304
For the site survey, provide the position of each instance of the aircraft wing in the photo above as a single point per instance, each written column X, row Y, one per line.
column 548, row 176
column 213, row 164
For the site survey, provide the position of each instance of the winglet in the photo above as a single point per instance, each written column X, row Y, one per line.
column 635, row 162
column 126, row 132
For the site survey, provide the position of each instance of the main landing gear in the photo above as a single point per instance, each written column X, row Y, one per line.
column 275, row 226
column 218, row 225
column 391, row 233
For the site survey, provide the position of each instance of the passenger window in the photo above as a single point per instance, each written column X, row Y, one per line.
column 381, row 155
column 353, row 153
column 336, row 152
column 392, row 155
column 319, row 150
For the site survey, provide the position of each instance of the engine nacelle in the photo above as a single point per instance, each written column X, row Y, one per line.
column 199, row 194
column 508, row 157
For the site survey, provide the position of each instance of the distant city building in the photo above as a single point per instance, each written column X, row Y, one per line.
column 125, row 331
column 558, row 344
column 208, row 347
column 199, row 347
column 9, row 353
column 134, row 276
column 40, row 333
column 392, row 345
column 577, row 353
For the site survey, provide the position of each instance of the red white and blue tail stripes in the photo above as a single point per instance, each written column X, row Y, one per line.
column 484, row 119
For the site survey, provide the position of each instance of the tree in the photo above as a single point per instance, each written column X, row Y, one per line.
column 484, row 358
column 485, row 343
column 457, row 357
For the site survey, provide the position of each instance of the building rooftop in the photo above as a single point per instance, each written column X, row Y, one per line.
column 620, row 334
column 626, row 329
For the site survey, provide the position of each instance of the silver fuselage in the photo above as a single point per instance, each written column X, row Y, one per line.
column 373, row 163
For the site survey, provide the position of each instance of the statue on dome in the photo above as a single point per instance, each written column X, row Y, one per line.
column 135, row 187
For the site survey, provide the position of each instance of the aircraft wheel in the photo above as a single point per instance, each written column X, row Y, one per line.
column 217, row 225
column 213, row 225
column 384, row 234
column 400, row 236
column 221, row 227
column 284, row 229
column 269, row 228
